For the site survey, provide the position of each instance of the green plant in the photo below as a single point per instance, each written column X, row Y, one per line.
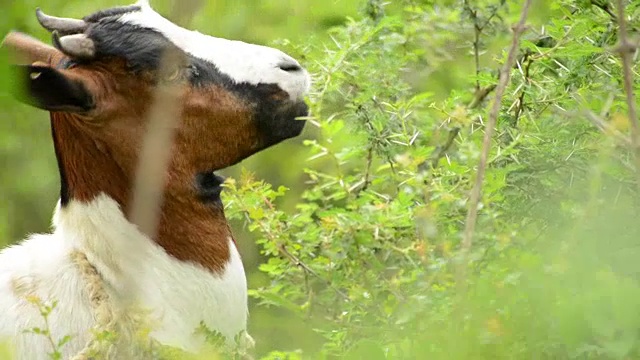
column 369, row 256
column 45, row 331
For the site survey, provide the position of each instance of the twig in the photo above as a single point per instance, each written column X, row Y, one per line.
column 474, row 199
column 520, row 107
column 157, row 144
column 283, row 250
column 605, row 7
column 478, row 28
column 626, row 49
column 183, row 11
column 480, row 95
column 441, row 150
column 601, row 124
column 367, row 174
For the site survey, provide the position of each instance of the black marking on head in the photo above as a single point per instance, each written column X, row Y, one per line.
column 209, row 187
column 118, row 11
column 143, row 48
column 204, row 73
column 48, row 89
column 274, row 113
column 64, row 184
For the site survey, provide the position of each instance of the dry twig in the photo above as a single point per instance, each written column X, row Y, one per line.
column 155, row 156
column 626, row 49
column 480, row 93
column 156, row 151
column 474, row 199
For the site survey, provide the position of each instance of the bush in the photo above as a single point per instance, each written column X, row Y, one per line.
column 370, row 256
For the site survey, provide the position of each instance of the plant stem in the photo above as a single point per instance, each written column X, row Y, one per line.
column 476, row 192
column 626, row 50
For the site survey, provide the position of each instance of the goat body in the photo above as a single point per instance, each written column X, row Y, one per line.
column 178, row 295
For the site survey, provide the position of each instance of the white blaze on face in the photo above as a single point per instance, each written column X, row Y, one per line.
column 242, row 62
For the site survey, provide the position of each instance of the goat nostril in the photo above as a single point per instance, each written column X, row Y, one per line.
column 290, row 67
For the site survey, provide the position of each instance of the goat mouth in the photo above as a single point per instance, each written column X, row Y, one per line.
column 208, row 186
column 282, row 122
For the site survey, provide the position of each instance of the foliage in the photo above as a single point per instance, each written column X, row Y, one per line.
column 45, row 331
column 360, row 258
column 368, row 258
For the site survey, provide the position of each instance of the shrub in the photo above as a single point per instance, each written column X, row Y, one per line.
column 369, row 256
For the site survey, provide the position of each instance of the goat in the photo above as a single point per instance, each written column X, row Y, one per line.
column 97, row 82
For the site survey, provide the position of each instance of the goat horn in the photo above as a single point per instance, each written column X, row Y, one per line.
column 63, row 25
column 77, row 46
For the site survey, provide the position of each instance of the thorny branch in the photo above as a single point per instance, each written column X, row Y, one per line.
column 626, row 49
column 441, row 150
column 294, row 259
column 480, row 93
column 604, row 6
column 367, row 174
column 526, row 61
column 476, row 39
column 602, row 125
column 478, row 28
column 474, row 199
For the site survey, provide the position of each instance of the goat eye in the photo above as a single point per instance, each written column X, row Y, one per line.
column 174, row 75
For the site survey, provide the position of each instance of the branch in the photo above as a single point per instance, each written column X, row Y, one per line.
column 521, row 105
column 474, row 199
column 604, row 7
column 626, row 49
column 480, row 93
column 296, row 261
column 478, row 28
column 367, row 174
column 157, row 144
column 606, row 128
column 441, row 150
column 284, row 252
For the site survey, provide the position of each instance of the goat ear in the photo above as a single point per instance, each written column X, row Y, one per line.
column 49, row 89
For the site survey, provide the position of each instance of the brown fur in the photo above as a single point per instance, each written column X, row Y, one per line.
column 98, row 152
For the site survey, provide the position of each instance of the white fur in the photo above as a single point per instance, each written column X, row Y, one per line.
column 179, row 295
column 242, row 62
